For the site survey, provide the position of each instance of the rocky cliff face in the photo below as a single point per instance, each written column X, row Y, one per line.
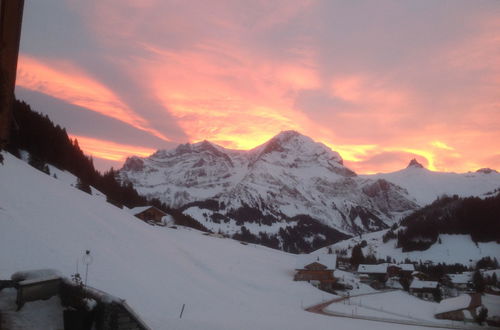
column 266, row 188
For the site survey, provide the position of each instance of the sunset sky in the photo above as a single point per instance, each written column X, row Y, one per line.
column 381, row 82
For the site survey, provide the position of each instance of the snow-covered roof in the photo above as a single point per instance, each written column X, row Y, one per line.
column 407, row 267
column 373, row 269
column 35, row 274
column 329, row 260
column 462, row 278
column 417, row 284
column 453, row 304
column 139, row 209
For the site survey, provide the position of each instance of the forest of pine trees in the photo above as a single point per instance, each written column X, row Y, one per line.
column 479, row 218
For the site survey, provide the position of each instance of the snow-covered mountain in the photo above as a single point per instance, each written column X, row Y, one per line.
column 425, row 185
column 266, row 187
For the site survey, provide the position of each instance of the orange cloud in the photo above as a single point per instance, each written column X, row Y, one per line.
column 66, row 82
column 441, row 145
column 215, row 95
column 110, row 150
column 362, row 89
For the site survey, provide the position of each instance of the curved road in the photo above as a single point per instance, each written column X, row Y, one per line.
column 320, row 309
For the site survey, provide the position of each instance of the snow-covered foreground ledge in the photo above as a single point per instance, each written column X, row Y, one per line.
column 44, row 223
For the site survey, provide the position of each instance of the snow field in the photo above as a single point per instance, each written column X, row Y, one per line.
column 453, row 249
column 44, row 223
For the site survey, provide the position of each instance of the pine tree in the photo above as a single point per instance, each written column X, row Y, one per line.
column 83, row 186
column 478, row 281
column 357, row 256
column 482, row 315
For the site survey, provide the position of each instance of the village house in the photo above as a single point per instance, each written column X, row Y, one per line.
column 316, row 269
column 369, row 273
column 420, row 276
column 462, row 308
column 149, row 214
column 424, row 289
column 461, row 281
column 406, row 269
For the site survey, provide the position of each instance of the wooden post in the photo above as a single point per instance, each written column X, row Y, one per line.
column 182, row 310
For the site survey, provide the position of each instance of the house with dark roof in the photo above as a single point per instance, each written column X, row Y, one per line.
column 149, row 214
column 424, row 289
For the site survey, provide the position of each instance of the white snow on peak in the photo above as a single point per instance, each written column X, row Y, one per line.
column 426, row 186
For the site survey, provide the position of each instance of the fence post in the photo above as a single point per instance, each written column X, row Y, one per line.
column 182, row 310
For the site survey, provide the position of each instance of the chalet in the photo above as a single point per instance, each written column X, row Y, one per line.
column 316, row 269
column 424, row 289
column 149, row 214
column 461, row 281
column 462, row 308
column 373, row 272
column 420, row 276
column 384, row 271
column 406, row 269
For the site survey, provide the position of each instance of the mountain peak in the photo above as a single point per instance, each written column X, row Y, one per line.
column 414, row 164
column 287, row 134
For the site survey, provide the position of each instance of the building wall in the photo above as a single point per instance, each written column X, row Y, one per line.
column 453, row 315
column 310, row 275
column 424, row 293
column 11, row 13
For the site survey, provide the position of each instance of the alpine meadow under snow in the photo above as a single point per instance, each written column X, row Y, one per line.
column 45, row 223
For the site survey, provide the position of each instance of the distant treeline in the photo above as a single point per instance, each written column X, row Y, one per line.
column 48, row 143
column 479, row 218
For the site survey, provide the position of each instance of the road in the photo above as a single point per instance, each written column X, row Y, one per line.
column 320, row 309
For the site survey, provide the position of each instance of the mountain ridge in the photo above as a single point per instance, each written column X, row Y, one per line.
column 267, row 187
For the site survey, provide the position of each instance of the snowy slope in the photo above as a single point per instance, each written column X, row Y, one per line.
column 453, row 249
column 425, row 185
column 44, row 223
column 62, row 175
column 287, row 176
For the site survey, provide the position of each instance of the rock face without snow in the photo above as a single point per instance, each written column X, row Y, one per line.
column 415, row 164
column 265, row 189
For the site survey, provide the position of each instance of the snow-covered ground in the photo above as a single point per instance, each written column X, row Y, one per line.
column 34, row 315
column 400, row 306
column 453, row 249
column 492, row 303
column 63, row 176
column 45, row 223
